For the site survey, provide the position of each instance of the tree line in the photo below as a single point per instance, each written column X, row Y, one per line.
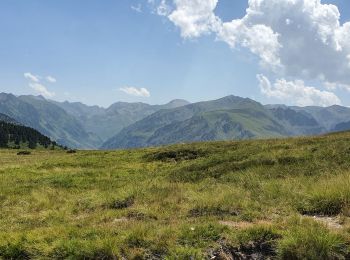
column 19, row 135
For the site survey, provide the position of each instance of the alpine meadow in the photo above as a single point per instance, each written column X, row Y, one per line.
column 175, row 130
column 264, row 199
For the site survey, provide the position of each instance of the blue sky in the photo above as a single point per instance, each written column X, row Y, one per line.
column 94, row 49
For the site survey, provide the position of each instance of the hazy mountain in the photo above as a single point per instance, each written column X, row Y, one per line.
column 297, row 122
column 108, row 122
column 229, row 118
column 7, row 119
column 327, row 117
column 226, row 118
column 47, row 118
column 344, row 126
column 125, row 124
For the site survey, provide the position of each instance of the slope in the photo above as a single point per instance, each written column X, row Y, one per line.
column 224, row 118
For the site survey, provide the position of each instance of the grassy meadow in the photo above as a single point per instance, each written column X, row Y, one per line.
column 260, row 199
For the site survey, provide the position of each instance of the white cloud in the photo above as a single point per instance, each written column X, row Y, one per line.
column 139, row 92
column 137, row 8
column 34, row 83
column 41, row 90
column 293, row 38
column 31, row 77
column 259, row 38
column 312, row 43
column 195, row 17
column 296, row 92
column 51, row 79
column 163, row 8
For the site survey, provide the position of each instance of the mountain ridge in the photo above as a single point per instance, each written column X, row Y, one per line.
column 126, row 125
column 226, row 118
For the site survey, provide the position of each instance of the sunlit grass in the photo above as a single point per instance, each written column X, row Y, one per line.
column 178, row 202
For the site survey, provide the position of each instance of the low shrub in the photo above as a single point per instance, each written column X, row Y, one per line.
column 24, row 153
column 14, row 249
column 176, row 155
column 123, row 203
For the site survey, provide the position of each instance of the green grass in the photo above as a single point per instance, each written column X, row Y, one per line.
column 179, row 202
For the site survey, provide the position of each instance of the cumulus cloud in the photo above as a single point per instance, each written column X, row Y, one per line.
column 51, row 79
column 195, row 17
column 259, row 38
column 41, row 90
column 163, row 8
column 300, row 38
column 303, row 39
column 31, row 77
column 297, row 92
column 312, row 42
column 34, row 83
column 139, row 92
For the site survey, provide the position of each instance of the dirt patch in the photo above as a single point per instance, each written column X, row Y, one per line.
column 253, row 250
column 243, row 224
column 120, row 220
column 330, row 222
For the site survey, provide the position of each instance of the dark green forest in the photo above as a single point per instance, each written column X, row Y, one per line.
column 18, row 136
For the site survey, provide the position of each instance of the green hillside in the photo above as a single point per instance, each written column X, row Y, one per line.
column 228, row 118
column 257, row 199
column 13, row 135
column 192, row 123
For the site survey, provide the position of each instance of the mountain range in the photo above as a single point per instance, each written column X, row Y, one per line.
column 126, row 125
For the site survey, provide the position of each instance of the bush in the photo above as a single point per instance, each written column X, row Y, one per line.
column 176, row 155
column 24, row 153
column 325, row 206
column 14, row 249
column 123, row 203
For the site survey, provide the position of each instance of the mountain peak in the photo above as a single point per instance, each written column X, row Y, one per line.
column 177, row 103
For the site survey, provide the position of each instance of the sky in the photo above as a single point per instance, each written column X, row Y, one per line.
column 295, row 52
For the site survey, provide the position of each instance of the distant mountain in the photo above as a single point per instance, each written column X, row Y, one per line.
column 47, row 118
column 312, row 119
column 226, row 118
column 344, row 126
column 106, row 123
column 327, row 117
column 14, row 135
column 297, row 122
column 7, row 119
column 76, row 125
column 124, row 125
